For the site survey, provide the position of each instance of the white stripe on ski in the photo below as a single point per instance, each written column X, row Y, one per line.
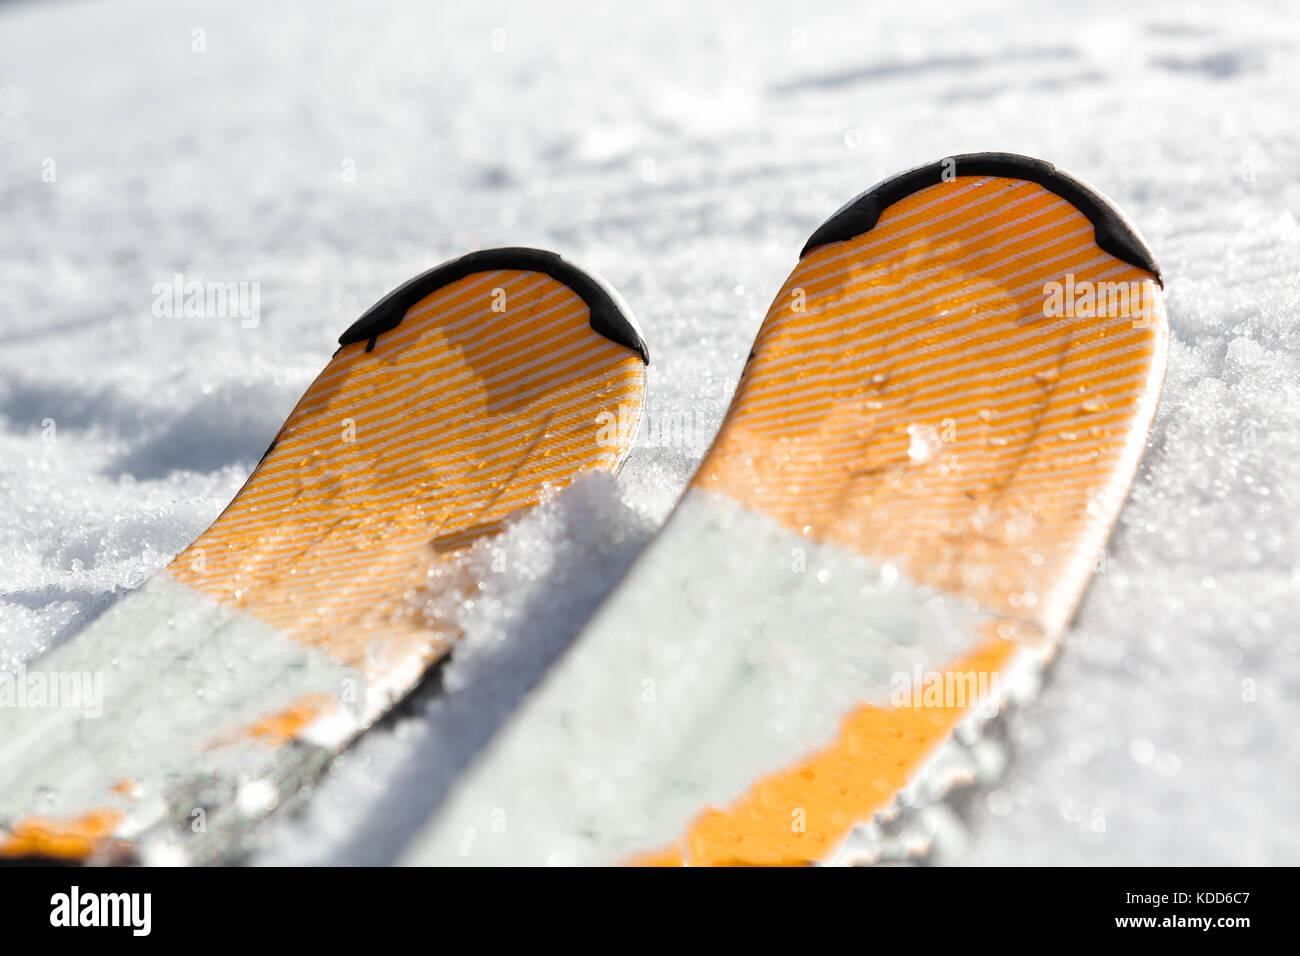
column 658, row 712
column 177, row 671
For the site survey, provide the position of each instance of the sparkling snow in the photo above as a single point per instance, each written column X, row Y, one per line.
column 329, row 151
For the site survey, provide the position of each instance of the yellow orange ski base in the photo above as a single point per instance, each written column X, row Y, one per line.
column 938, row 424
column 482, row 401
column 466, row 397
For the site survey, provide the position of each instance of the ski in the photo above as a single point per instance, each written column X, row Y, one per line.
column 459, row 401
column 926, row 451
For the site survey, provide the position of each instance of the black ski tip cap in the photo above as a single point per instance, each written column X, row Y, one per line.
column 608, row 316
column 1113, row 232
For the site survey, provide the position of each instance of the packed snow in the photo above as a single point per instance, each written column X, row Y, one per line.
column 329, row 151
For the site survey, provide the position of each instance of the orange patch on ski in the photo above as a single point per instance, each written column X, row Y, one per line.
column 278, row 729
column 800, row 815
column 48, row 838
column 910, row 398
column 492, row 393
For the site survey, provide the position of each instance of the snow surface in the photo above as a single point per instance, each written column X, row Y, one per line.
column 685, row 152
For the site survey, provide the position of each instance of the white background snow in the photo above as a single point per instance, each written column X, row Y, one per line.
column 685, row 151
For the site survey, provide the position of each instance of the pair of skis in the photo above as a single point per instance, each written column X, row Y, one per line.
column 936, row 428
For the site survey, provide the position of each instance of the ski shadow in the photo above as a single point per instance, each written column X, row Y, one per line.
column 231, row 426
column 34, row 404
column 91, row 603
column 465, row 700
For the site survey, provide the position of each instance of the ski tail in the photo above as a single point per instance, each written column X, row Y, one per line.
column 989, row 343
column 458, row 402
column 963, row 399
column 460, row 399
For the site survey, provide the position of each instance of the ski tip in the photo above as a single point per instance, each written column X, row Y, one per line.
column 610, row 316
column 1114, row 233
